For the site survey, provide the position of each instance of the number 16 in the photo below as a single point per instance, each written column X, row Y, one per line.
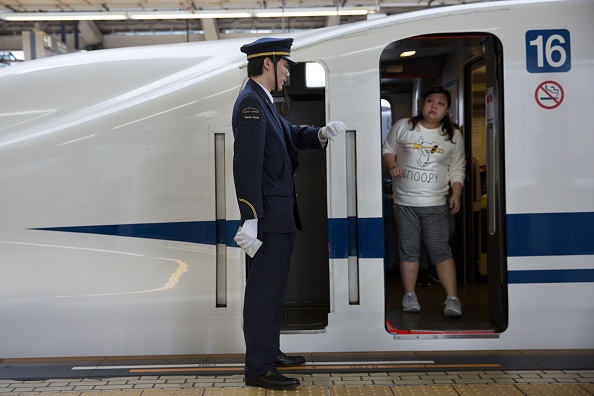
column 548, row 51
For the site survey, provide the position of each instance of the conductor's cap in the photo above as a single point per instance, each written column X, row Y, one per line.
column 268, row 47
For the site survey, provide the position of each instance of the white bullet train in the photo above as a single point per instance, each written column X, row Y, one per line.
column 118, row 211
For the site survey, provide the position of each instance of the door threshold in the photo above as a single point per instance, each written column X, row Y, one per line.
column 403, row 334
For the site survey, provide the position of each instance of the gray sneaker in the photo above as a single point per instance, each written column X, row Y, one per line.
column 452, row 307
column 410, row 303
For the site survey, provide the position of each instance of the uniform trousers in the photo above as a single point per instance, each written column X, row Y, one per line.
column 264, row 300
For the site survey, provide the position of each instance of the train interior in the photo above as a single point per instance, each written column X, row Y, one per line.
column 307, row 308
column 470, row 67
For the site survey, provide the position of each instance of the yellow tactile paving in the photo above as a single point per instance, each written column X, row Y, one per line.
column 553, row 390
column 575, row 389
column 301, row 391
column 487, row 389
column 424, row 390
column 360, row 391
column 235, row 392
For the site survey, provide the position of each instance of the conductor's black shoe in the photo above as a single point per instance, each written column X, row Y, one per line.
column 273, row 380
column 284, row 360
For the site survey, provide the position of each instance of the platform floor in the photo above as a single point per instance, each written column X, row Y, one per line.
column 392, row 374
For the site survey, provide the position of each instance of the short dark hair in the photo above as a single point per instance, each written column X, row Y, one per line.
column 255, row 67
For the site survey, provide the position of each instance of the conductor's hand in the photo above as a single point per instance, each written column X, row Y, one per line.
column 332, row 129
column 247, row 234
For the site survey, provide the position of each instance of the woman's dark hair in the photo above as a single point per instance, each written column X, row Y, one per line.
column 447, row 125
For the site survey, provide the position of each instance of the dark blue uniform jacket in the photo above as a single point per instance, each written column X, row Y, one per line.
column 265, row 160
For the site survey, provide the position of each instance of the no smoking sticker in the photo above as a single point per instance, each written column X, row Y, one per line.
column 549, row 94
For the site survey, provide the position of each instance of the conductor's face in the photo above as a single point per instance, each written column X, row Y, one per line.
column 282, row 72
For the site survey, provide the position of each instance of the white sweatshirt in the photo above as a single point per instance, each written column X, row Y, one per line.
column 430, row 163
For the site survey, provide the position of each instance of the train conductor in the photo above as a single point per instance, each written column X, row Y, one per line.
column 266, row 157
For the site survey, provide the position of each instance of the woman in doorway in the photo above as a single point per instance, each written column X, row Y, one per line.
column 425, row 157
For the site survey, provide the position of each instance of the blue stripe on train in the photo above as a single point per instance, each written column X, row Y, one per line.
column 550, row 234
column 546, row 234
column 362, row 237
column 551, row 276
column 204, row 232
column 527, row 235
column 342, row 234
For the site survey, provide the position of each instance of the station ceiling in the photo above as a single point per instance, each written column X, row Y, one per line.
column 208, row 26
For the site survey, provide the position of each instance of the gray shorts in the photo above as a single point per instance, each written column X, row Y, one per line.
column 431, row 223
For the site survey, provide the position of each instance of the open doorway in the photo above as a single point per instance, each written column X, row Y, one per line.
column 470, row 67
column 306, row 308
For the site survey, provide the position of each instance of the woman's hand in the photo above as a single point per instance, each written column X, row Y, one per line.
column 396, row 170
column 455, row 198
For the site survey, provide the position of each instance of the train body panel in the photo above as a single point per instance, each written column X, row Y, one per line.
column 118, row 206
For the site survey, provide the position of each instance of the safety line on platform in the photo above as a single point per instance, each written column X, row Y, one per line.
column 235, row 367
column 338, row 368
column 215, row 365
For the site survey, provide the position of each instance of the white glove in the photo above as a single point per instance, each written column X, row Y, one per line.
column 332, row 129
column 247, row 237
column 247, row 234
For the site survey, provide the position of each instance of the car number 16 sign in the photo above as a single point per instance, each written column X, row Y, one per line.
column 548, row 51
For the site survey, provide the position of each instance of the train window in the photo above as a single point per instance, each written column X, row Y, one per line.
column 386, row 118
column 469, row 66
column 315, row 77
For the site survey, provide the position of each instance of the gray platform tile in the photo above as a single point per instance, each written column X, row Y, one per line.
column 147, row 381
column 499, row 374
column 112, row 393
column 533, row 380
column 54, row 389
column 504, row 380
column 186, row 385
column 443, row 381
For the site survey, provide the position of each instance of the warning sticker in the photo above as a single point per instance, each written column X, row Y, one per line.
column 549, row 95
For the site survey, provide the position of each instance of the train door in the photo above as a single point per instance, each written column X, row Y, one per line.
column 470, row 67
column 307, row 300
column 495, row 206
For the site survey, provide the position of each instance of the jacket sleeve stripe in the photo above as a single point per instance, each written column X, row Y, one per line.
column 251, row 207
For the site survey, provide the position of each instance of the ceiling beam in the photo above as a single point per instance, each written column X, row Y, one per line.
column 90, row 32
column 210, row 29
column 333, row 20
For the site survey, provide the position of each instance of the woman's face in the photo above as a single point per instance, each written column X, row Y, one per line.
column 435, row 107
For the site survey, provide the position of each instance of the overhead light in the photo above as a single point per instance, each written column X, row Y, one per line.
column 305, row 12
column 407, row 53
column 191, row 15
column 63, row 16
column 198, row 14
